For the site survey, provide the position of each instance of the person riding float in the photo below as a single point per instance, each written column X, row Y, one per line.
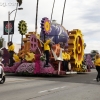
column 11, row 52
column 47, row 50
column 66, row 59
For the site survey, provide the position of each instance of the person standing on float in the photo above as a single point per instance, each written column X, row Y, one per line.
column 47, row 50
column 66, row 59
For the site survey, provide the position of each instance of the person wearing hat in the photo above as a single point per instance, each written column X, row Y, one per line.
column 66, row 58
column 47, row 50
column 11, row 52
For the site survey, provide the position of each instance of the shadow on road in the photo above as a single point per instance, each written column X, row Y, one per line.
column 87, row 78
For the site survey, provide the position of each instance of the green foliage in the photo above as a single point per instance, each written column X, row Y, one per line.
column 43, row 58
column 93, row 53
column 1, row 42
column 84, row 45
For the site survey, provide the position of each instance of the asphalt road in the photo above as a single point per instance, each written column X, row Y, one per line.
column 70, row 87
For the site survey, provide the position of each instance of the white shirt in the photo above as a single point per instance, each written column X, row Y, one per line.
column 1, row 69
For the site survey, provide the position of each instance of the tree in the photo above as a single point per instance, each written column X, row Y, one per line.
column 52, row 10
column 1, row 42
column 93, row 53
column 63, row 12
column 84, row 45
column 19, row 2
column 36, row 16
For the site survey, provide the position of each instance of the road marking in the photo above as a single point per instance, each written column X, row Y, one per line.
column 55, row 88
column 63, row 87
column 51, row 89
column 43, row 91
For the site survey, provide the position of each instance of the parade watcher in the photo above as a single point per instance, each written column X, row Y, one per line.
column 1, row 67
column 97, row 65
column 1, row 59
column 1, row 62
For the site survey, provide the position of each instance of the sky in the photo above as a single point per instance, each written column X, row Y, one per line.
column 79, row 14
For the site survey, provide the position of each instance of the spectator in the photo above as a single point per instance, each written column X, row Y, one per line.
column 97, row 65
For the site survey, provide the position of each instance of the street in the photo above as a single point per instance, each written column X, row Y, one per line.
column 70, row 87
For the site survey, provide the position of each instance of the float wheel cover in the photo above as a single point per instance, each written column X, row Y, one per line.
column 45, row 25
column 76, row 44
column 34, row 42
column 22, row 26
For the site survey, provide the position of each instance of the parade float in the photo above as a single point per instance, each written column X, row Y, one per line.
column 31, row 59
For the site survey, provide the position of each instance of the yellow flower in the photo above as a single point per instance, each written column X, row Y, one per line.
column 29, row 56
column 16, row 58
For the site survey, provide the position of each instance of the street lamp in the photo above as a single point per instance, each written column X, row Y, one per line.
column 9, row 13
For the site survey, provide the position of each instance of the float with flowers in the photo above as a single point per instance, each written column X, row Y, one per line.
column 31, row 58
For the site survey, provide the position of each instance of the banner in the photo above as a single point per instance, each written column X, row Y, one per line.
column 11, row 27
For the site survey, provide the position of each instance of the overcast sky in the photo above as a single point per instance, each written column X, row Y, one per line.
column 79, row 14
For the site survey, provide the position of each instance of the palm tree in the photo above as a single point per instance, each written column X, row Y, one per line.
column 36, row 16
column 63, row 12
column 52, row 10
column 19, row 3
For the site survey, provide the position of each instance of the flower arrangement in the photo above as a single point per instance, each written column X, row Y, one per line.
column 26, row 68
column 16, row 58
column 89, row 61
column 42, row 58
column 12, row 69
column 30, row 56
